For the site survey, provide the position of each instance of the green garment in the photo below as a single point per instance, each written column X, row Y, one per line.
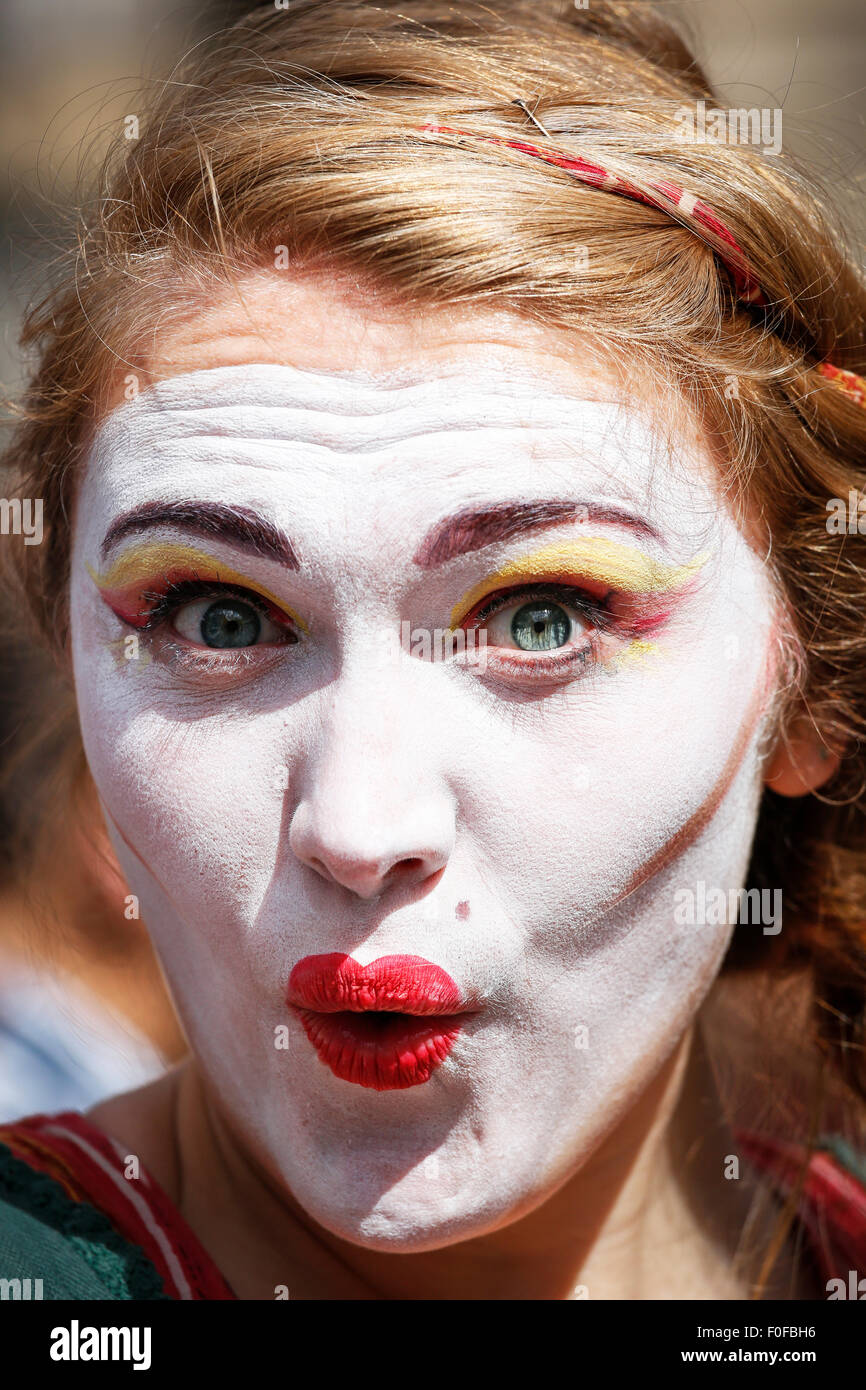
column 70, row 1246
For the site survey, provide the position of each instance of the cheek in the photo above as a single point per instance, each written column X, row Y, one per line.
column 197, row 805
column 612, row 785
column 195, row 797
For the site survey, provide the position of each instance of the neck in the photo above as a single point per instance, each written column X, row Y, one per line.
column 650, row 1215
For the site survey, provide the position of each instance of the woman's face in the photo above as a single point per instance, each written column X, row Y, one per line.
column 294, row 765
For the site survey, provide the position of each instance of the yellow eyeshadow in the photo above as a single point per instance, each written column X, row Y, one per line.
column 636, row 652
column 146, row 563
column 622, row 567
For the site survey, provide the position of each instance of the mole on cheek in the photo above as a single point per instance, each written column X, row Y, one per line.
column 462, row 911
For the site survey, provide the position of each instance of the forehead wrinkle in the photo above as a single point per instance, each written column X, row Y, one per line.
column 127, row 441
column 429, row 406
column 614, row 439
column 229, row 385
column 285, row 425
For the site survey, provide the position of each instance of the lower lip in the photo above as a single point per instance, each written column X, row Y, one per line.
column 384, row 1051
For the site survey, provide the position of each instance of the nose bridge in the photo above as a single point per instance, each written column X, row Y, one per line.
column 375, row 809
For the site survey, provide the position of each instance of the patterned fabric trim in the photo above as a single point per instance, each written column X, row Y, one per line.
column 121, row 1268
column 91, row 1169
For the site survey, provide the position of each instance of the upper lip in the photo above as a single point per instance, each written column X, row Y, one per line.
column 335, row 983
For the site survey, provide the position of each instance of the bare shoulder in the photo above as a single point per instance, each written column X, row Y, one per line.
column 143, row 1121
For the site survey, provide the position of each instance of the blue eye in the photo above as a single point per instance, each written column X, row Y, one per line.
column 226, row 623
column 540, row 623
column 541, row 626
column 230, row 623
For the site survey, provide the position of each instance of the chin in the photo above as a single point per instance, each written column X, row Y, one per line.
column 379, row 1204
column 409, row 1218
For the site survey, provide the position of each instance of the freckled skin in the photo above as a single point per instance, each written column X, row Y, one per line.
column 343, row 799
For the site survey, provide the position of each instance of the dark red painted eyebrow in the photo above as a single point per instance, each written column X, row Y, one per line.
column 241, row 527
column 475, row 527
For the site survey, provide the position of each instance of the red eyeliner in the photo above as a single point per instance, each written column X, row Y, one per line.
column 142, row 607
column 387, row 1025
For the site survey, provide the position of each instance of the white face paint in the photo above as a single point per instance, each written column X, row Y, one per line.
column 541, row 824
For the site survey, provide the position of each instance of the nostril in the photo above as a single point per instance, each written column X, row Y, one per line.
column 415, row 869
column 369, row 877
column 408, row 866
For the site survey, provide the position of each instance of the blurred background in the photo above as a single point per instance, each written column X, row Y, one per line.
column 83, row 1008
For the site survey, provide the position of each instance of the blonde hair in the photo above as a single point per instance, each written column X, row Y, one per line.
column 300, row 129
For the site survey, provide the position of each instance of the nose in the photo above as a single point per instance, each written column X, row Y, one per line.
column 366, row 869
column 373, row 818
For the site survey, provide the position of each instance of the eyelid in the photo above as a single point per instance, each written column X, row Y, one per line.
column 590, row 607
column 164, row 563
column 176, row 598
column 622, row 568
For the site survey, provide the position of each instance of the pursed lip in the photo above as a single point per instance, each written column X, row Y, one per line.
column 386, row 1025
column 337, row 983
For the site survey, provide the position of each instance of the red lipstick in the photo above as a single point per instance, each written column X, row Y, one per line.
column 386, row 1025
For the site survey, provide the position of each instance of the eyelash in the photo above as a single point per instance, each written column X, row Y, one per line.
column 164, row 603
column 593, row 610
column 565, row 663
column 590, row 609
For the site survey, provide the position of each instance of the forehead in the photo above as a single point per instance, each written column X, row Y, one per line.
column 330, row 322
column 332, row 409
column 391, row 444
column 313, row 382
